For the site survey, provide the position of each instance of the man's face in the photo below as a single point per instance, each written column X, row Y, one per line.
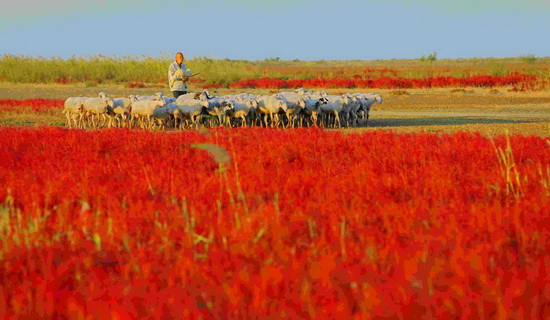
column 179, row 58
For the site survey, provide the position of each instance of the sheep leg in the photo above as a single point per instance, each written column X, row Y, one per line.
column 82, row 121
column 70, row 120
column 146, row 123
column 198, row 120
column 68, row 123
column 74, row 119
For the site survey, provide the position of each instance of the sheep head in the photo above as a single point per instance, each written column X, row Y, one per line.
column 228, row 106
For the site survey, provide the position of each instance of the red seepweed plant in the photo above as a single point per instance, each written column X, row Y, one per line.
column 37, row 105
column 254, row 223
column 525, row 81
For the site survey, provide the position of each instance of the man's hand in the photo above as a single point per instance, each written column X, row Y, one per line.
column 185, row 79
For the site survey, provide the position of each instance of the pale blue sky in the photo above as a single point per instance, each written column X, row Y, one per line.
column 306, row 29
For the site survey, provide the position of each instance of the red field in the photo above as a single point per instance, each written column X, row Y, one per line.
column 251, row 223
column 35, row 105
column 519, row 82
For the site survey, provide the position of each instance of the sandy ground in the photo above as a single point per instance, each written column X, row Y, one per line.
column 442, row 110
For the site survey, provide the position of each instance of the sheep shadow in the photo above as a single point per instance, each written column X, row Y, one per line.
column 437, row 121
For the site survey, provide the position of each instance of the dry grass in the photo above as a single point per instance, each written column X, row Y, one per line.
column 29, row 118
column 487, row 126
column 441, row 110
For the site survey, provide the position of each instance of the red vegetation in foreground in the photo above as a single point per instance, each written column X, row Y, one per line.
column 297, row 223
column 37, row 105
column 524, row 81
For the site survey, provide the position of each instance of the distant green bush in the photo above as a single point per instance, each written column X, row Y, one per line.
column 528, row 58
column 497, row 69
column 430, row 57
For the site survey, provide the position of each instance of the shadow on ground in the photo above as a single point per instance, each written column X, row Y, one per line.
column 438, row 121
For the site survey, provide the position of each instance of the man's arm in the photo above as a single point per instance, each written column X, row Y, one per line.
column 186, row 74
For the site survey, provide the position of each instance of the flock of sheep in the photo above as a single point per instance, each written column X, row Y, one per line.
column 284, row 109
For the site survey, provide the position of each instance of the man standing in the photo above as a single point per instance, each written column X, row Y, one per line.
column 178, row 75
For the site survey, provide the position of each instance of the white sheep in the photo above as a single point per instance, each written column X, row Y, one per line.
column 282, row 109
column 293, row 108
column 121, row 110
column 309, row 109
column 156, row 96
column 239, row 96
column 202, row 95
column 366, row 101
column 190, row 109
column 218, row 107
column 143, row 111
column 96, row 107
column 302, row 91
column 331, row 105
column 162, row 114
column 272, row 106
column 73, row 110
column 244, row 110
column 349, row 107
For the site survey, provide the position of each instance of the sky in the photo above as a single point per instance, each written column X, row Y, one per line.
column 255, row 30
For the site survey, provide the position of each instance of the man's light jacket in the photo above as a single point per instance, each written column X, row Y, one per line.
column 175, row 82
